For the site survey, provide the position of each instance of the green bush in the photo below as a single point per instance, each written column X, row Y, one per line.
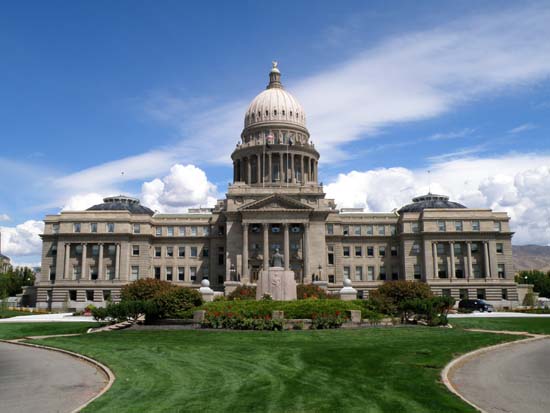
column 433, row 310
column 145, row 289
column 539, row 279
column 174, row 302
column 243, row 292
column 304, row 291
column 124, row 311
column 390, row 297
column 529, row 300
column 100, row 313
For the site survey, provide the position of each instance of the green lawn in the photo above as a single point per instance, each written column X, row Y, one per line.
column 18, row 330
column 531, row 325
column 13, row 313
column 369, row 370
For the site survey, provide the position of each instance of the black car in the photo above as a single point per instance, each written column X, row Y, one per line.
column 475, row 305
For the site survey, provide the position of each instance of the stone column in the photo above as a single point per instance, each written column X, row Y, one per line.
column 266, row 246
column 452, row 269
column 234, row 171
column 248, row 171
column 100, row 262
column 84, row 259
column 117, row 262
column 486, row 259
column 258, row 169
column 244, row 271
column 286, row 247
column 305, row 253
column 293, row 176
column 469, row 259
column 269, row 168
column 241, row 170
column 302, row 169
column 66, row 270
column 281, row 167
column 434, row 253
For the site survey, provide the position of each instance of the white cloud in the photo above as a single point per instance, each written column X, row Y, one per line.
column 516, row 184
column 184, row 187
column 81, row 202
column 22, row 239
column 522, row 128
column 4, row 217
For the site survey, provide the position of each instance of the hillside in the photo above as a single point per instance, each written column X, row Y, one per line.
column 531, row 257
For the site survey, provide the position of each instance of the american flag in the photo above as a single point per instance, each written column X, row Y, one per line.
column 269, row 138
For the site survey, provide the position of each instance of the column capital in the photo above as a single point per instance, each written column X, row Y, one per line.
column 451, row 242
column 245, row 224
column 285, row 225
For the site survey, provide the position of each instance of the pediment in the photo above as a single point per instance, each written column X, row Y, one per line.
column 275, row 203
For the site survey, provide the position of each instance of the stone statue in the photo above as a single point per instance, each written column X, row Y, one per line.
column 277, row 260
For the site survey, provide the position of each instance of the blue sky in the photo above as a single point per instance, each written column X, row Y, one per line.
column 391, row 90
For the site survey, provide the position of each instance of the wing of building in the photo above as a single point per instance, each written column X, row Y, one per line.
column 275, row 202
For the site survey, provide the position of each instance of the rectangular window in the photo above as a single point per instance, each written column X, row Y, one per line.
column 393, row 229
column 480, row 293
column 205, row 251
column 474, row 247
column 458, row 226
column 357, row 230
column 181, row 231
column 500, row 248
column 345, row 251
column 394, row 273
column 89, row 295
column 330, row 229
column 475, row 225
column 370, row 230
column 158, row 252
column 110, row 227
column 137, row 228
column 135, row 273
column 330, row 257
column 393, row 251
column 457, row 248
column 501, row 272
column 194, row 231
column 170, row 231
column 331, row 278
column 381, row 230
column 158, row 231
column 382, row 251
column 441, row 226
column 76, row 272
column 157, row 273
column 93, row 273
column 76, row 227
column 442, row 271
column 476, row 268
column 93, row 227
column 370, row 251
column 193, row 273
column 446, row 292
column 358, row 251
column 497, row 226
column 504, row 293
column 52, row 273
column 463, row 293
column 415, row 248
column 95, row 250
column 53, row 249
column 417, row 272
column 345, row 230
column 346, row 272
column 206, row 230
column 169, row 273
column 169, row 251
column 414, row 227
column 359, row 273
column 55, row 228
column 440, row 248
column 110, row 273
column 194, row 253
column 382, row 275
column 459, row 271
column 72, row 295
column 135, row 250
column 78, row 249
column 106, row 295
column 370, row 273
column 221, row 230
column 181, row 273
column 181, row 252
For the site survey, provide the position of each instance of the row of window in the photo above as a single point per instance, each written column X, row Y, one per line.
column 442, row 248
column 169, row 231
column 480, row 293
column 105, row 294
column 459, row 226
column 172, row 273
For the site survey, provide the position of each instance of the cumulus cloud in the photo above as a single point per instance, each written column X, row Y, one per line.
column 184, row 187
column 4, row 217
column 81, row 202
column 516, row 184
column 22, row 239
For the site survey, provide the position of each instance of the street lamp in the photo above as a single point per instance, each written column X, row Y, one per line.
column 525, row 279
column 320, row 277
column 232, row 272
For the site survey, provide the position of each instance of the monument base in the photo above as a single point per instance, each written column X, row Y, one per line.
column 276, row 282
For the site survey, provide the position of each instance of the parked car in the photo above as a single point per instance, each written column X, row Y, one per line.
column 475, row 305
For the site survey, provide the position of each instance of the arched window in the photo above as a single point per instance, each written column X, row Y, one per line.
column 296, row 115
column 275, row 112
column 290, row 113
column 266, row 113
column 283, row 112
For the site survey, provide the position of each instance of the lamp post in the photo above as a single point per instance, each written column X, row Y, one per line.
column 232, row 272
column 525, row 279
column 320, row 276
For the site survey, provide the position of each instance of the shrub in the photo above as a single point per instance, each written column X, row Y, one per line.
column 144, row 289
column 390, row 297
column 126, row 310
column 304, row 291
column 100, row 313
column 433, row 310
column 243, row 292
column 174, row 302
column 529, row 300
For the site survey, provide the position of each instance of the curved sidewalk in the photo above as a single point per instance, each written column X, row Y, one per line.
column 514, row 377
column 40, row 380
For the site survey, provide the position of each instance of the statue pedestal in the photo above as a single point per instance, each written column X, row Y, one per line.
column 278, row 283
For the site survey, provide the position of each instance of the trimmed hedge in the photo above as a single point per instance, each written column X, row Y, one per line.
column 242, row 292
column 145, row 289
column 304, row 291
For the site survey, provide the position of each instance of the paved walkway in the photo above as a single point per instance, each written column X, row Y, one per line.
column 45, row 318
column 38, row 380
column 499, row 314
column 514, row 378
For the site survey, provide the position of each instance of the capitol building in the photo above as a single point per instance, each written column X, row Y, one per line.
column 275, row 201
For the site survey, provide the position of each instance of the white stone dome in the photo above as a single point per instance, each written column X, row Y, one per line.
column 275, row 104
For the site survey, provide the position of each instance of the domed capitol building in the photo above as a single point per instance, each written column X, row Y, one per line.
column 276, row 202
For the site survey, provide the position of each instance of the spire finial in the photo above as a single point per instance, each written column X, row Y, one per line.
column 274, row 76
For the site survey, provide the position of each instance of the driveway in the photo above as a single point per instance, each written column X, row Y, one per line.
column 37, row 380
column 514, row 378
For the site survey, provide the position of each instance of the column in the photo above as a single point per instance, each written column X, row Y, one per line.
column 266, row 246
column 117, row 262
column 469, row 259
column 434, row 253
column 302, row 169
column 248, row 171
column 258, row 169
column 244, row 271
column 234, row 171
column 293, row 174
column 305, row 253
column 66, row 273
column 100, row 263
column 84, row 258
column 281, row 167
column 452, row 247
column 312, row 169
column 269, row 168
column 241, row 170
column 286, row 247
column 486, row 259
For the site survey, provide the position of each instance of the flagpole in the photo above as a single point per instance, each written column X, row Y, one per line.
column 286, row 172
column 263, row 166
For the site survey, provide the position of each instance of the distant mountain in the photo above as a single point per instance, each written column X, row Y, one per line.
column 531, row 257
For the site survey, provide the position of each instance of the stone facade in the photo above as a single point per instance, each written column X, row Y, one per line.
column 276, row 202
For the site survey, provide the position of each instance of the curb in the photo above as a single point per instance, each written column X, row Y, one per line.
column 457, row 362
column 99, row 366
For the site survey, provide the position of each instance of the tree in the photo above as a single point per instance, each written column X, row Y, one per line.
column 539, row 279
column 13, row 281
